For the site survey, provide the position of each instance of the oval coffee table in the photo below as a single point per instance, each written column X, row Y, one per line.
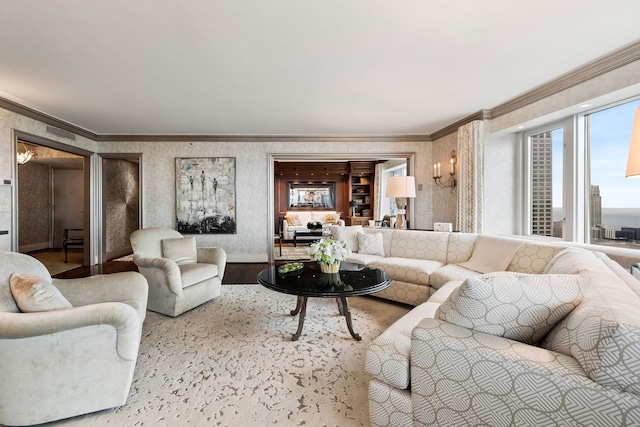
column 351, row 280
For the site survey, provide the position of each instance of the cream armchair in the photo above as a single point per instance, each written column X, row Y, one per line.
column 180, row 275
column 66, row 361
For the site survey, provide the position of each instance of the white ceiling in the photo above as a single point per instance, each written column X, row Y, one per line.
column 292, row 67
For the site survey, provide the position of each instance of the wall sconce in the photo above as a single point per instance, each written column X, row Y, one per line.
column 25, row 155
column 437, row 174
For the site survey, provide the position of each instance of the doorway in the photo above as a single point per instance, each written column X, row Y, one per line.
column 51, row 196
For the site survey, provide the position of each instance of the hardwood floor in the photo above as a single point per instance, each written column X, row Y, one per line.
column 235, row 273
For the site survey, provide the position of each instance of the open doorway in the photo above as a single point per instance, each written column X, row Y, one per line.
column 52, row 221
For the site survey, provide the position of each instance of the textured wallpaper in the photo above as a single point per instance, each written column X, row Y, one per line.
column 34, row 208
column 121, row 201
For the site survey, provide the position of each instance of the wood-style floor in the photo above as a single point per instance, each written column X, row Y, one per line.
column 234, row 274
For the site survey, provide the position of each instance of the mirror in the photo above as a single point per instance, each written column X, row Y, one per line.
column 312, row 195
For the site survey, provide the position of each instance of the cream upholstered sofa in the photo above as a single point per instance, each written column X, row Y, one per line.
column 297, row 221
column 181, row 276
column 67, row 347
column 541, row 335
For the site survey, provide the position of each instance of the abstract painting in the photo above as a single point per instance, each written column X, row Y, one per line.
column 206, row 195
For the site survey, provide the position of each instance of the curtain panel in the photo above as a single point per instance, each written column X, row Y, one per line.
column 470, row 170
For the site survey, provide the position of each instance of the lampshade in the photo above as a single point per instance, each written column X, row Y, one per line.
column 633, row 162
column 401, row 186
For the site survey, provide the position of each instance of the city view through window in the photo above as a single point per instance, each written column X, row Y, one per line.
column 614, row 199
column 613, row 216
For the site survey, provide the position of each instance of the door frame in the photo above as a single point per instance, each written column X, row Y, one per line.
column 87, row 155
column 138, row 157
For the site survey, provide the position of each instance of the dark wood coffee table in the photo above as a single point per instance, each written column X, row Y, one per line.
column 310, row 233
column 351, row 280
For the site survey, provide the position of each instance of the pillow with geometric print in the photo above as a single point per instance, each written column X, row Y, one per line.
column 518, row 306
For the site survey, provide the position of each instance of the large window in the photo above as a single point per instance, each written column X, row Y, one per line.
column 574, row 184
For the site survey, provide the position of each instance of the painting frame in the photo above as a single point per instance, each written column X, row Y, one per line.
column 206, row 195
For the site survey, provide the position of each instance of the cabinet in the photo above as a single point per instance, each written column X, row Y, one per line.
column 361, row 179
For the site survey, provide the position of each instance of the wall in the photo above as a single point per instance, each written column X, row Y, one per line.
column 445, row 202
column 34, row 194
column 252, row 241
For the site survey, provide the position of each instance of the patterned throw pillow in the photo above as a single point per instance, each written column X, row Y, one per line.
column 33, row 294
column 522, row 307
column 370, row 244
column 332, row 219
column 348, row 234
column 293, row 219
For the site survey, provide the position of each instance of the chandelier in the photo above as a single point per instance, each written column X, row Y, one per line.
column 26, row 154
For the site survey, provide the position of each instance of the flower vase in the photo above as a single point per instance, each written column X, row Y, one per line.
column 330, row 268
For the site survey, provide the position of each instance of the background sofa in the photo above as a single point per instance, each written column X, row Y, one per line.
column 297, row 221
column 441, row 365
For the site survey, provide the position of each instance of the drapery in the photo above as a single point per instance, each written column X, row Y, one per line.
column 470, row 170
column 377, row 192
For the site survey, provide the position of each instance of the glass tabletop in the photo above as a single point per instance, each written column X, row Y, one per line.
column 351, row 280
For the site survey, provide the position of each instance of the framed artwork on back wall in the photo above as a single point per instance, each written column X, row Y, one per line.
column 206, row 195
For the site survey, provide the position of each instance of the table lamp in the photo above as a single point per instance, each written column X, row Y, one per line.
column 401, row 187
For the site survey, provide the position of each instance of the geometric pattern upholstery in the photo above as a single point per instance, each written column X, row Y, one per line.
column 532, row 258
column 407, row 269
column 406, row 293
column 522, row 307
column 389, row 406
column 461, row 377
column 450, row 273
column 420, row 245
column 460, row 247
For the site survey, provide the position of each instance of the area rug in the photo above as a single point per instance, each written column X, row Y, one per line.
column 54, row 260
column 291, row 253
column 231, row 362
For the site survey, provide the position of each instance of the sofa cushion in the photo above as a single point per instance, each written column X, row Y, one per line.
column 181, row 250
column 532, row 258
column 33, row 294
column 292, row 219
column 420, row 245
column 460, row 247
column 492, row 254
column 571, row 261
column 450, row 272
column 522, row 307
column 347, row 234
column 370, row 244
column 407, row 269
column 332, row 218
column 196, row 273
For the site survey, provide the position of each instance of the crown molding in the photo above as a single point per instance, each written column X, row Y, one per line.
column 45, row 118
column 591, row 70
column 260, row 138
column 453, row 127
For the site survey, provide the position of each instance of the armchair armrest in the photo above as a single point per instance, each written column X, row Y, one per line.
column 484, row 379
column 129, row 287
column 216, row 256
column 122, row 317
column 167, row 269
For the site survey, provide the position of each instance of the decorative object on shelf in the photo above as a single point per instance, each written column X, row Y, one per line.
column 366, row 212
column 314, row 225
column 437, row 174
column 633, row 163
column 353, row 205
column 26, row 154
column 328, row 253
column 401, row 187
column 206, row 195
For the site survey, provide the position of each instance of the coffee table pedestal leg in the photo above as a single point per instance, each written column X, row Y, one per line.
column 343, row 307
column 301, row 307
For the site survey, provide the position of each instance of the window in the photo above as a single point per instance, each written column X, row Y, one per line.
column 574, row 186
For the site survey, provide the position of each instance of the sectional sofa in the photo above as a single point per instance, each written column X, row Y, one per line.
column 505, row 331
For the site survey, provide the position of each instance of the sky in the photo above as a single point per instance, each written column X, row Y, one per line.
column 610, row 137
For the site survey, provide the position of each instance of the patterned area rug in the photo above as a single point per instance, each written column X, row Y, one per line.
column 231, row 362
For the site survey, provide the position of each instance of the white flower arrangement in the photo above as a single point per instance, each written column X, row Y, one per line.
column 329, row 251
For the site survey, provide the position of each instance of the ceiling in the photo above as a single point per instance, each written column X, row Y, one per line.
column 291, row 67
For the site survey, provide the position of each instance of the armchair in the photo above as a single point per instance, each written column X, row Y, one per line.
column 180, row 276
column 65, row 362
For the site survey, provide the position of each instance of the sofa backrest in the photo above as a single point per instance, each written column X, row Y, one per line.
column 460, row 247
column 603, row 331
column 420, row 245
column 533, row 257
